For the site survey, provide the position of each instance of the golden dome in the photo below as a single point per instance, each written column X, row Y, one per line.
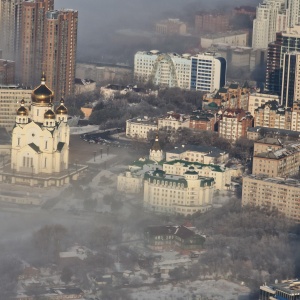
column 42, row 94
column 22, row 111
column 49, row 114
column 61, row 110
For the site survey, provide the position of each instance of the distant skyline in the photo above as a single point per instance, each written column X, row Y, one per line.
column 99, row 19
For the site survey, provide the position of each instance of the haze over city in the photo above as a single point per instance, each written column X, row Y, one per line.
column 149, row 150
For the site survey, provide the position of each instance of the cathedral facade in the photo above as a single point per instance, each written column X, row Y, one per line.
column 40, row 142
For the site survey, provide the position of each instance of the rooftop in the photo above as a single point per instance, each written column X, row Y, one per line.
column 281, row 153
column 197, row 165
column 208, row 150
column 276, row 180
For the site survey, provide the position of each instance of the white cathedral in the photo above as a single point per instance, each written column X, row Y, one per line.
column 40, row 142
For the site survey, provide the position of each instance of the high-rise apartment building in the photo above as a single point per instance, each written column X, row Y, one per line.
column 10, row 18
column 282, row 73
column 208, row 72
column 60, row 50
column 270, row 18
column 40, row 39
column 32, row 35
column 290, row 88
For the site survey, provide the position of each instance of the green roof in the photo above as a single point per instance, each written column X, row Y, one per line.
column 215, row 168
column 141, row 163
column 162, row 177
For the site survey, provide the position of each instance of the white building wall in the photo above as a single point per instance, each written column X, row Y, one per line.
column 258, row 99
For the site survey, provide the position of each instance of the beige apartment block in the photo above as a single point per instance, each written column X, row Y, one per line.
column 295, row 125
column 172, row 194
column 10, row 98
column 272, row 115
column 282, row 162
column 266, row 144
column 138, row 128
column 258, row 99
column 281, row 193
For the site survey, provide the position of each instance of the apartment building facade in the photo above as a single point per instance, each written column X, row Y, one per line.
column 139, row 128
column 280, row 78
column 256, row 100
column 270, row 18
column 171, row 194
column 173, row 121
column 203, row 120
column 221, row 175
column 208, row 72
column 10, row 98
column 163, row 69
column 280, row 162
column 234, row 123
column 281, row 193
column 272, row 115
column 231, row 96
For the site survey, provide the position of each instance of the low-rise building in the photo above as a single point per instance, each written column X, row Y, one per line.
column 233, row 124
column 160, row 238
column 281, row 193
column 201, row 154
column 203, row 120
column 173, row 121
column 282, row 162
column 220, row 174
column 138, row 128
column 173, row 194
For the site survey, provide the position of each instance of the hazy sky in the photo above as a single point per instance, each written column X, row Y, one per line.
column 99, row 19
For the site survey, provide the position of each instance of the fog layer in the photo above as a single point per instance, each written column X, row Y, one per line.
column 100, row 19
